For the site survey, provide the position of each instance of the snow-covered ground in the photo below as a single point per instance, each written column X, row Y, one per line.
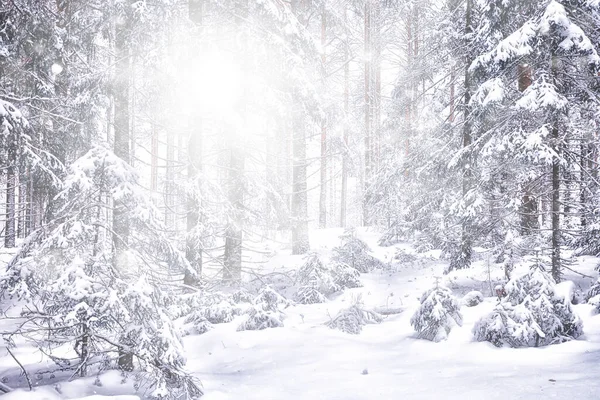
column 307, row 360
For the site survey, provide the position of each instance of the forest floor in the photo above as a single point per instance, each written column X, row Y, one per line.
column 307, row 360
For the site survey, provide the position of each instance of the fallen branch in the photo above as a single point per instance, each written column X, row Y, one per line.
column 577, row 272
column 388, row 310
column 5, row 388
column 22, row 368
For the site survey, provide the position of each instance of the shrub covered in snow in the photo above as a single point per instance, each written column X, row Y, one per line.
column 403, row 257
column 531, row 314
column 438, row 313
column 593, row 295
column 345, row 276
column 216, row 308
column 266, row 312
column 355, row 253
column 352, row 319
column 309, row 294
column 472, row 298
column 317, row 280
column 269, row 300
column 258, row 319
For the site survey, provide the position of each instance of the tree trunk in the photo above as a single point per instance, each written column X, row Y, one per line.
column 367, row 111
column 344, row 191
column 120, row 221
column 466, row 228
column 193, row 249
column 234, row 231
column 10, row 234
column 300, row 243
column 323, row 193
column 555, row 217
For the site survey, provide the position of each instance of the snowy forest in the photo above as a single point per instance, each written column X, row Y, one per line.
column 299, row 199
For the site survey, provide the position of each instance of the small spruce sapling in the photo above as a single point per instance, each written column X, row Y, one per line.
column 356, row 253
column 438, row 313
column 352, row 319
column 531, row 314
column 267, row 311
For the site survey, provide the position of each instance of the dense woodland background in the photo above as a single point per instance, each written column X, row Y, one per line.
column 148, row 148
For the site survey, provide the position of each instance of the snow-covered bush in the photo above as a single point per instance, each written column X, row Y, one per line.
column 352, row 319
column 472, row 298
column 496, row 327
column 438, row 313
column 309, row 294
column 593, row 295
column 403, row 257
column 205, row 309
column 393, row 235
column 267, row 311
column 345, row 276
column 531, row 314
column 269, row 300
column 258, row 319
column 356, row 253
column 317, row 280
column 459, row 256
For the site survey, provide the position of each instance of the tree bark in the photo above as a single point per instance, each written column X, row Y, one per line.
column 466, row 229
column 120, row 221
column 367, row 113
column 344, row 190
column 234, row 231
column 323, row 193
column 555, row 206
column 300, row 243
column 193, row 249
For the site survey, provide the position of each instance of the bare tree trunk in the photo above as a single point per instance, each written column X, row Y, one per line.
column 300, row 243
column 466, row 238
column 170, row 183
column 234, row 230
column 367, row 111
column 120, row 222
column 193, row 249
column 154, row 159
column 344, row 192
column 555, row 218
column 10, row 234
column 323, row 193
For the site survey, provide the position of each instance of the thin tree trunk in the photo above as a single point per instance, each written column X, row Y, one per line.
column 234, row 231
column 193, row 247
column 367, row 111
column 120, row 222
column 555, row 218
column 323, row 193
column 466, row 239
column 344, row 191
column 9, row 231
column 154, row 159
column 300, row 243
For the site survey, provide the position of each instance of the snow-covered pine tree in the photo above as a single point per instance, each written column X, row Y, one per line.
column 437, row 314
column 352, row 319
column 531, row 314
column 103, row 313
column 267, row 311
column 536, row 128
column 355, row 253
column 316, row 280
